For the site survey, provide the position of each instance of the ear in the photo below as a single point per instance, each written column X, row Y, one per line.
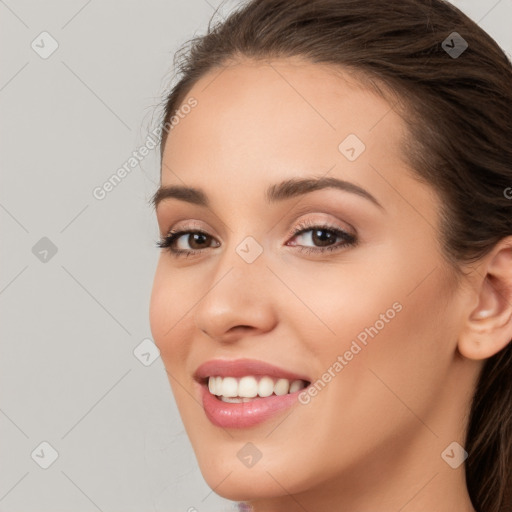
column 488, row 328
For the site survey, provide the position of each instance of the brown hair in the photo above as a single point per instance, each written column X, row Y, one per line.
column 458, row 110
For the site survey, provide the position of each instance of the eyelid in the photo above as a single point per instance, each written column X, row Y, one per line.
column 327, row 223
column 193, row 225
column 350, row 239
column 188, row 225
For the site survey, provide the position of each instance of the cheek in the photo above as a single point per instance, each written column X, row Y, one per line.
column 334, row 305
column 172, row 332
column 393, row 335
column 396, row 344
column 159, row 310
column 168, row 309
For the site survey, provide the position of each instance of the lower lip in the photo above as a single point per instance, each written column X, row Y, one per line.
column 244, row 414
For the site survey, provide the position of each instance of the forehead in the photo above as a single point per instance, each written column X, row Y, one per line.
column 254, row 119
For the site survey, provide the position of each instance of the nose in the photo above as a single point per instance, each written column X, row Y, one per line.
column 238, row 302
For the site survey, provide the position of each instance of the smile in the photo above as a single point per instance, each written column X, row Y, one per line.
column 244, row 393
column 232, row 390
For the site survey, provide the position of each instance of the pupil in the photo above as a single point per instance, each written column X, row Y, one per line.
column 326, row 238
column 197, row 237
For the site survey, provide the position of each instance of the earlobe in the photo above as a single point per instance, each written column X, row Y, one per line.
column 488, row 328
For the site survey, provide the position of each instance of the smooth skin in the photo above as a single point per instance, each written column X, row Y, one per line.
column 372, row 439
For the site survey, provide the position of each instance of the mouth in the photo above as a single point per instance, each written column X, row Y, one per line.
column 243, row 393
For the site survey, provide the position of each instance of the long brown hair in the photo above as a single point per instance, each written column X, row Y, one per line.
column 458, row 110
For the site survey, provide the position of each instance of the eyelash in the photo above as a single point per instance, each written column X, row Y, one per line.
column 167, row 242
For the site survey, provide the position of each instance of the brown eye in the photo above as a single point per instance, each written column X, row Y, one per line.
column 186, row 242
column 198, row 240
column 323, row 237
column 315, row 238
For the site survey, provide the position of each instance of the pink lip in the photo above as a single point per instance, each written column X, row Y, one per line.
column 248, row 414
column 242, row 367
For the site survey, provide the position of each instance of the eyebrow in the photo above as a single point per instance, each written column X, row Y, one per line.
column 278, row 192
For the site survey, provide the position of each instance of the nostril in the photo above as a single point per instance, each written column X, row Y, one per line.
column 240, row 327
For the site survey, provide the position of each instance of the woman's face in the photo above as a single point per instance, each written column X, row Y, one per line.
column 370, row 324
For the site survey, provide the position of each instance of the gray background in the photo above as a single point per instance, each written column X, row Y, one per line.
column 70, row 323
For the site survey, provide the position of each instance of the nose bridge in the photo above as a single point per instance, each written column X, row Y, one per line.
column 243, row 263
column 239, row 293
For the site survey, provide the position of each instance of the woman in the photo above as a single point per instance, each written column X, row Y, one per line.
column 333, row 300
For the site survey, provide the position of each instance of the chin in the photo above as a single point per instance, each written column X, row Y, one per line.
column 245, row 484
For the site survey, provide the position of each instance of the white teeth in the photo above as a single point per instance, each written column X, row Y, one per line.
column 282, row 387
column 234, row 400
column 229, row 387
column 296, row 385
column 248, row 387
column 218, row 385
column 233, row 390
column 265, row 387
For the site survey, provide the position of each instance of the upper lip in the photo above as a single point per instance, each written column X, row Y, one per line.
column 243, row 367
